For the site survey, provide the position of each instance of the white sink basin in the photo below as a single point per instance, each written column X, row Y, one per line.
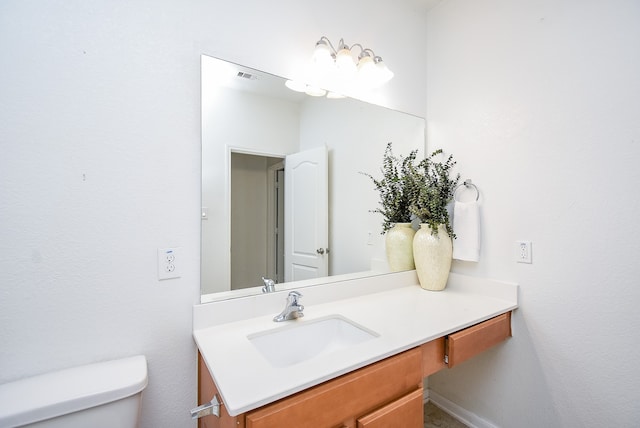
column 305, row 340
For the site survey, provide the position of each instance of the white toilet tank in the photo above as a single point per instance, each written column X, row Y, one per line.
column 101, row 395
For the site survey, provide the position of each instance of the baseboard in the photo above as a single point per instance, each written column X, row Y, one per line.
column 466, row 417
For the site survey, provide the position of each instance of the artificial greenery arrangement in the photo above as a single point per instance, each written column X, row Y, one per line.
column 408, row 189
column 431, row 189
column 394, row 188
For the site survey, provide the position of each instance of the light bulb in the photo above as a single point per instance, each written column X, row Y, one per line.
column 322, row 54
column 367, row 71
column 345, row 63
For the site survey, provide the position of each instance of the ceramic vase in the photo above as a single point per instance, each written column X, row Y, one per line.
column 432, row 255
column 399, row 247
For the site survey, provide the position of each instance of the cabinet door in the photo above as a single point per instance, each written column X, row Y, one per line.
column 406, row 412
column 478, row 338
column 339, row 401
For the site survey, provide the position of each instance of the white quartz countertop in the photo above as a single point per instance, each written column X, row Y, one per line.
column 394, row 306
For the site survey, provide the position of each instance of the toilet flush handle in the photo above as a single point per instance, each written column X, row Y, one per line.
column 210, row 408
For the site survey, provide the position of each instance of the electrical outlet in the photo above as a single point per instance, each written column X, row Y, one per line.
column 523, row 251
column 168, row 263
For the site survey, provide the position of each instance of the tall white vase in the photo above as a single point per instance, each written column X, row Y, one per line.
column 432, row 255
column 399, row 247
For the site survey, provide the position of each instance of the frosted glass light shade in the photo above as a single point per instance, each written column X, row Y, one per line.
column 295, row 86
column 315, row 92
column 345, row 63
column 367, row 71
column 322, row 55
column 383, row 72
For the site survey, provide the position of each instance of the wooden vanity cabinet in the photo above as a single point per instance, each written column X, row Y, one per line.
column 369, row 397
column 388, row 393
column 206, row 390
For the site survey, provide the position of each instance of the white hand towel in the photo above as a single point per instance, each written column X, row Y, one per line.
column 466, row 226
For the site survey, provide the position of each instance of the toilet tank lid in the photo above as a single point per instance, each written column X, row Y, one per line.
column 58, row 393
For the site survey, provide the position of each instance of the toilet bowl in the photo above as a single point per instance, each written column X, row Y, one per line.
column 101, row 395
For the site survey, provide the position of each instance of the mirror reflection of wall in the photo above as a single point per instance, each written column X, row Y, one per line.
column 355, row 133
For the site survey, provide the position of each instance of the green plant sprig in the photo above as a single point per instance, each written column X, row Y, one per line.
column 431, row 189
column 393, row 187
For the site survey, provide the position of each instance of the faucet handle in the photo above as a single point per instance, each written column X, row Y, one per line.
column 294, row 296
column 293, row 309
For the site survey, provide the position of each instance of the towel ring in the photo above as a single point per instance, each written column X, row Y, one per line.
column 467, row 183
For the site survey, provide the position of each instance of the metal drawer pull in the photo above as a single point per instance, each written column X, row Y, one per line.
column 210, row 408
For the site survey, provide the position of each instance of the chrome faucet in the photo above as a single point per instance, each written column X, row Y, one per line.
column 293, row 309
column 269, row 285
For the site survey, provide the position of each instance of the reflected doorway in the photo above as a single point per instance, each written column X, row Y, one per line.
column 257, row 219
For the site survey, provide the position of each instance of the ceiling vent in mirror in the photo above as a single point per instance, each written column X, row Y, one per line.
column 248, row 76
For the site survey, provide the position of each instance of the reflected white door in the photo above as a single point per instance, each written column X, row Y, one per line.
column 306, row 215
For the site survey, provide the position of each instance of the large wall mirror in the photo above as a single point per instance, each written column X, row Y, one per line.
column 252, row 128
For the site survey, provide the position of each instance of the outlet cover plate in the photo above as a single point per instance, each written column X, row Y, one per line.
column 169, row 263
column 523, row 252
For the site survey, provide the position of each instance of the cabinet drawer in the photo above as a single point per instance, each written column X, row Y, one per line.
column 406, row 412
column 478, row 338
column 334, row 402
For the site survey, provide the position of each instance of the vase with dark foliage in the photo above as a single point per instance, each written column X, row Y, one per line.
column 395, row 203
column 432, row 187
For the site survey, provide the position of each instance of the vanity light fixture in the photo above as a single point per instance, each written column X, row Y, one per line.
column 366, row 68
column 341, row 68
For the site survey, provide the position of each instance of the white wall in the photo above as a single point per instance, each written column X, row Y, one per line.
column 539, row 102
column 100, row 166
